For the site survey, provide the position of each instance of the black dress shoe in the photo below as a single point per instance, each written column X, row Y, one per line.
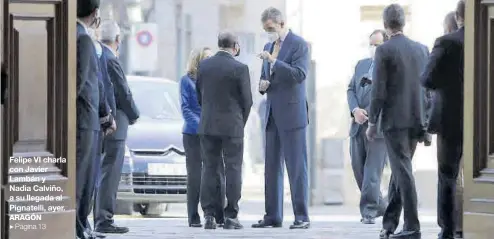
column 459, row 235
column 407, row 235
column 112, row 229
column 232, row 223
column 220, row 222
column 368, row 220
column 264, row 224
column 443, row 235
column 300, row 225
column 195, row 225
column 210, row 223
column 384, row 234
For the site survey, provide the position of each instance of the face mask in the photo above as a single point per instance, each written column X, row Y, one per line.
column 372, row 51
column 273, row 36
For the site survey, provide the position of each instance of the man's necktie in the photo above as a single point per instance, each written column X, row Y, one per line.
column 276, row 49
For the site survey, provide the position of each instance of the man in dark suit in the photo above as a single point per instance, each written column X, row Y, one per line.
column 368, row 157
column 125, row 113
column 444, row 75
column 399, row 99
column 285, row 68
column 110, row 99
column 92, row 113
column 223, row 90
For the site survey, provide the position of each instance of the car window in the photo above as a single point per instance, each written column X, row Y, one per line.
column 156, row 100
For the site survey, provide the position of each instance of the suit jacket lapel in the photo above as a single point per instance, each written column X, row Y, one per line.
column 366, row 89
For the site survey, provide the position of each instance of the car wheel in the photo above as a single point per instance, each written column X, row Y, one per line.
column 142, row 208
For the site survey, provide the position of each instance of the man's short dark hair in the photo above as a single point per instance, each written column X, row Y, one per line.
column 460, row 9
column 227, row 40
column 394, row 17
column 86, row 7
column 383, row 33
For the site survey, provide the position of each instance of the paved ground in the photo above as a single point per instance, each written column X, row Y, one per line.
column 330, row 222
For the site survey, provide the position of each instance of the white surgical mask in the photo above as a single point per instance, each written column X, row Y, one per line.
column 273, row 36
column 372, row 51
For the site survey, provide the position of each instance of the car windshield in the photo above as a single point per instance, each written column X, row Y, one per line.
column 155, row 99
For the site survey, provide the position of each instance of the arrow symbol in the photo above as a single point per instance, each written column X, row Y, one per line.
column 11, row 227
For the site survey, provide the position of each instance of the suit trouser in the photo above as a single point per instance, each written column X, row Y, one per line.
column 96, row 172
column 193, row 162
column 85, row 158
column 290, row 146
column 111, row 170
column 459, row 201
column 401, row 144
column 449, row 152
column 368, row 159
column 216, row 150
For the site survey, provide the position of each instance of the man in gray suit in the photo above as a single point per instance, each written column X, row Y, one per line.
column 126, row 113
column 368, row 157
column 398, row 97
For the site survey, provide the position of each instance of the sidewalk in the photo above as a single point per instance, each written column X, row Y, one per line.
column 328, row 222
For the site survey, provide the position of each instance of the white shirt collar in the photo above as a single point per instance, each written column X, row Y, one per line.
column 284, row 34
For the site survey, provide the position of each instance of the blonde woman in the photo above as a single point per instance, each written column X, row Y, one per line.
column 191, row 113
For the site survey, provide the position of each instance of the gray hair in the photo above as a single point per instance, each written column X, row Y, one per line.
column 109, row 31
column 394, row 17
column 272, row 14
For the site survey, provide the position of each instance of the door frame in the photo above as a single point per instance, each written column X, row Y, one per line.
column 478, row 144
column 60, row 19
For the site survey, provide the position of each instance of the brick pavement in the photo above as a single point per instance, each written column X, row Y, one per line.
column 333, row 222
column 176, row 228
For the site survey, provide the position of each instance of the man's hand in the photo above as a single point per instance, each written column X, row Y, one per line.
column 112, row 127
column 265, row 55
column 263, row 85
column 360, row 116
column 371, row 132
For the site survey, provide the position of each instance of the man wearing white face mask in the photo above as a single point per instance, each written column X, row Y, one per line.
column 125, row 113
column 368, row 157
column 286, row 62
